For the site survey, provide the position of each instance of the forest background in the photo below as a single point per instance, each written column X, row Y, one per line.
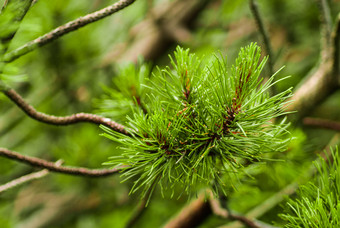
column 70, row 75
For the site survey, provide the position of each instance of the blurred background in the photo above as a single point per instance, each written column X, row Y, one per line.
column 68, row 75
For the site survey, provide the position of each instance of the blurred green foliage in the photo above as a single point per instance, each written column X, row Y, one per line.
column 67, row 76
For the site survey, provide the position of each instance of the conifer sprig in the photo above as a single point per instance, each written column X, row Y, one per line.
column 204, row 122
column 318, row 202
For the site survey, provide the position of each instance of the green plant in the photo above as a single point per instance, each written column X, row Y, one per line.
column 318, row 202
column 202, row 123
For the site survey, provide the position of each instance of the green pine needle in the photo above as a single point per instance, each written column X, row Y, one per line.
column 203, row 123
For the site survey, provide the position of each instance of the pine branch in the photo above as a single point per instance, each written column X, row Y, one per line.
column 264, row 34
column 66, row 28
column 53, row 167
column 66, row 120
column 27, row 178
column 203, row 121
column 322, row 123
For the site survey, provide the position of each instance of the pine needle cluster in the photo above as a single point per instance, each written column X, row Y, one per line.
column 201, row 122
column 318, row 202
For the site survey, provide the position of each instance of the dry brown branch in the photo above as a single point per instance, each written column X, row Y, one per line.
column 66, row 28
column 66, row 120
column 53, row 167
column 322, row 123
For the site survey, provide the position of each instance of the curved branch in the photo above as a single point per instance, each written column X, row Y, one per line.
column 322, row 82
column 66, row 28
column 66, row 120
column 53, row 167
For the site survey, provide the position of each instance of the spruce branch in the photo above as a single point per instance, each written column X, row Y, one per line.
column 66, row 28
column 66, row 120
column 27, row 178
column 55, row 167
column 204, row 122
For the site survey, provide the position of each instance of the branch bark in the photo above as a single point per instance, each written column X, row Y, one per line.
column 53, row 167
column 66, row 120
column 66, row 28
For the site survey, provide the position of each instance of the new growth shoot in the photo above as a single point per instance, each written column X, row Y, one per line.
column 202, row 122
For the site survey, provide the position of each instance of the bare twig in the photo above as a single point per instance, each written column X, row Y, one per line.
column 26, row 178
column 66, row 120
column 316, row 122
column 23, row 179
column 264, row 34
column 66, row 28
column 51, row 166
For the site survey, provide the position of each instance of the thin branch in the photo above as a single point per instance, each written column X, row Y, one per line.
column 66, row 120
column 27, row 178
column 326, row 23
column 23, row 179
column 322, row 123
column 264, row 34
column 66, row 28
column 51, row 166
